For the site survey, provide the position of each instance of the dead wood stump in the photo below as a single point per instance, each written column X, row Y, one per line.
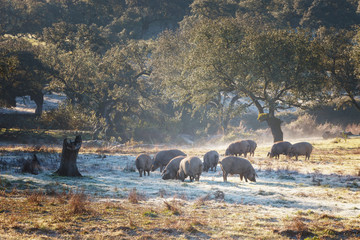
column 31, row 166
column 69, row 155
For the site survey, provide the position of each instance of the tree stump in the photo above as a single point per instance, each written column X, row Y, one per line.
column 31, row 166
column 69, row 155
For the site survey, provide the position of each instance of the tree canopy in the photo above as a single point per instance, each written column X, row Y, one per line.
column 342, row 62
column 180, row 66
column 271, row 69
column 23, row 73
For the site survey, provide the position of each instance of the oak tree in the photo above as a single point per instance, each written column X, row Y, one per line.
column 269, row 69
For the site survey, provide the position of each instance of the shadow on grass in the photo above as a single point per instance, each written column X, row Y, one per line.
column 331, row 234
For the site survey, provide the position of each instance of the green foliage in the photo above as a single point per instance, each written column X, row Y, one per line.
column 331, row 13
column 231, row 137
column 341, row 60
column 68, row 37
column 151, row 214
column 207, row 61
column 8, row 64
column 117, row 19
column 214, row 8
column 225, row 56
column 70, row 117
column 115, row 86
column 21, row 72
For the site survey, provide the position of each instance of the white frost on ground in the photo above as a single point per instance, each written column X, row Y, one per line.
column 114, row 176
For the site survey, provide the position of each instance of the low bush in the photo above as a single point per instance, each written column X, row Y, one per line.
column 353, row 128
column 172, row 208
column 78, row 204
column 306, row 126
column 69, row 117
column 135, row 197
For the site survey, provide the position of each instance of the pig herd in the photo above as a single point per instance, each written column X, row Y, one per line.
column 175, row 164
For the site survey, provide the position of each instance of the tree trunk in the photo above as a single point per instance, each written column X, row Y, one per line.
column 69, row 155
column 275, row 126
column 38, row 98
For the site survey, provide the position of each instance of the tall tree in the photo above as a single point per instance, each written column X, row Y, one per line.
column 271, row 69
column 113, row 85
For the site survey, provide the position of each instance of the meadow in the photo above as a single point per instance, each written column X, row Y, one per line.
column 314, row 199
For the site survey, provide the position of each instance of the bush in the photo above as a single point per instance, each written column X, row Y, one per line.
column 79, row 204
column 306, row 126
column 134, row 197
column 237, row 133
column 69, row 117
column 353, row 128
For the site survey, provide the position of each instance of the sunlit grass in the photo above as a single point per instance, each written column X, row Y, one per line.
column 57, row 134
column 332, row 156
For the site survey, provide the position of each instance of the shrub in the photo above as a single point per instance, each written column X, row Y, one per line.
column 69, row 117
column 36, row 198
column 134, row 197
column 151, row 213
column 306, row 126
column 201, row 200
column 236, row 133
column 172, row 208
column 78, row 204
column 353, row 128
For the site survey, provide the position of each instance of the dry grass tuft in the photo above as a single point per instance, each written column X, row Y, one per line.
column 162, row 193
column 62, row 197
column 135, row 197
column 313, row 225
column 36, row 198
column 112, row 205
column 172, row 208
column 201, row 200
column 296, row 228
column 297, row 224
column 79, row 204
column 14, row 191
column 190, row 228
column 353, row 128
column 327, row 216
column 131, row 222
